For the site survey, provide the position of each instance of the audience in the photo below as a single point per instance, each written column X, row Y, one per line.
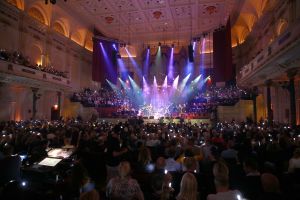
column 18, row 58
column 222, row 162
column 203, row 103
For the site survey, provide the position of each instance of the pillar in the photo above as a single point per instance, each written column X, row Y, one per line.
column 292, row 7
column 254, row 95
column 291, row 87
column 59, row 102
column 35, row 97
column 269, row 101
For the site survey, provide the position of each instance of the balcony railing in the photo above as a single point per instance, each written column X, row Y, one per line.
column 23, row 71
column 291, row 35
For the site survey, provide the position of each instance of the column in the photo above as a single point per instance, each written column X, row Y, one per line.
column 269, row 108
column 254, row 95
column 291, row 87
column 59, row 102
column 292, row 7
column 35, row 97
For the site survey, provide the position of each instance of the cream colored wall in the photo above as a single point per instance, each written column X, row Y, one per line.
column 261, row 108
column 21, row 32
column 239, row 112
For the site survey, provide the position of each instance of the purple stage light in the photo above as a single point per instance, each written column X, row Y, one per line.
column 107, row 60
column 134, row 63
column 171, row 67
column 202, row 56
column 114, row 46
column 146, row 63
column 194, row 45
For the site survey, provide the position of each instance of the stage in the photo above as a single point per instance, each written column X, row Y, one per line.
column 166, row 121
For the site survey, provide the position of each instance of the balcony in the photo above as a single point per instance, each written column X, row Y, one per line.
column 281, row 55
column 19, row 74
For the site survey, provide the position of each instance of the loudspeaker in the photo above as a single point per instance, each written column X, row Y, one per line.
column 191, row 53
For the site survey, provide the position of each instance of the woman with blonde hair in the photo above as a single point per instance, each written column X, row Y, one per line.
column 188, row 187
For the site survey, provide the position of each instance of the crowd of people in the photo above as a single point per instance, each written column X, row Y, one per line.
column 134, row 160
column 99, row 98
column 18, row 58
column 228, row 95
column 204, row 102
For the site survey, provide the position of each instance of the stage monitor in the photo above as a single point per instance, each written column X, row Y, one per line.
column 60, row 153
column 50, row 162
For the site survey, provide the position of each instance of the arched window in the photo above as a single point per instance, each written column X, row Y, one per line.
column 38, row 15
column 58, row 27
column 17, row 3
column 89, row 44
column 76, row 37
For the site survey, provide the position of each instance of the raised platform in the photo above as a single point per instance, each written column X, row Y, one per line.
column 147, row 121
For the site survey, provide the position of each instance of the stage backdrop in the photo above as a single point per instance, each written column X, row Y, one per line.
column 222, row 54
column 104, row 61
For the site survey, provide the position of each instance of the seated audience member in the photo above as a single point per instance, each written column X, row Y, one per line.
column 123, row 186
column 221, row 181
column 271, row 188
column 188, row 188
column 294, row 162
column 171, row 164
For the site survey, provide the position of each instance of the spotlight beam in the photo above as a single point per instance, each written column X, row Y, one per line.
column 134, row 63
column 183, row 82
column 170, row 66
column 175, row 83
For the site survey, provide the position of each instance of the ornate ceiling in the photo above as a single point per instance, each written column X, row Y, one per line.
column 154, row 20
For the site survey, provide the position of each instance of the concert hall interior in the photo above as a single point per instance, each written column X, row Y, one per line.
column 150, row 99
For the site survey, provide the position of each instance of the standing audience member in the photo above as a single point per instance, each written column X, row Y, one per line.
column 123, row 186
column 221, row 180
column 188, row 188
column 294, row 162
column 270, row 184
